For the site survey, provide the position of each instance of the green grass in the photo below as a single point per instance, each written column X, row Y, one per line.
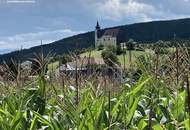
column 53, row 66
column 171, row 49
column 134, row 55
column 94, row 53
column 97, row 54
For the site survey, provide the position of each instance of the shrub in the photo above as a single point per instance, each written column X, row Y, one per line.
column 113, row 49
column 119, row 50
column 110, row 58
column 100, row 47
column 65, row 58
column 131, row 44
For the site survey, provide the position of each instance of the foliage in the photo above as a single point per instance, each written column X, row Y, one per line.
column 110, row 57
column 126, row 109
column 40, row 64
column 147, row 103
column 112, row 49
column 100, row 47
column 161, row 50
column 130, row 44
column 65, row 58
column 120, row 50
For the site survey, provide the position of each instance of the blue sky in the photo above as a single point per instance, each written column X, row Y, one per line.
column 26, row 22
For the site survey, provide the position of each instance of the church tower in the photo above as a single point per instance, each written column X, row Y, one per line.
column 97, row 29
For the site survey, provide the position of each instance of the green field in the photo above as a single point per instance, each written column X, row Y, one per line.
column 94, row 53
column 97, row 54
column 53, row 66
column 135, row 54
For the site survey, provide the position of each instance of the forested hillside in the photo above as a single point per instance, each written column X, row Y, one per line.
column 140, row 32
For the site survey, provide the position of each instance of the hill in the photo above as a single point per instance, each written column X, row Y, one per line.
column 140, row 32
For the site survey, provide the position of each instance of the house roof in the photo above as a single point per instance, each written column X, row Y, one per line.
column 114, row 32
column 111, row 32
column 70, row 66
column 93, row 60
column 81, row 64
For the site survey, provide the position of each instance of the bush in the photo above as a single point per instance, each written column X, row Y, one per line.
column 131, row 44
column 112, row 49
column 100, row 47
column 65, row 58
column 110, row 58
column 119, row 50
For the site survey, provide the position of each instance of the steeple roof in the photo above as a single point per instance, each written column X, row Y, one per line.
column 97, row 25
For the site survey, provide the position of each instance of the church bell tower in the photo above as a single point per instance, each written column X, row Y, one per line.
column 97, row 29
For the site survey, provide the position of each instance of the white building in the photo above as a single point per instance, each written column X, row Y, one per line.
column 105, row 38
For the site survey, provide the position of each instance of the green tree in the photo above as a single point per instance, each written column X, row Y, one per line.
column 112, row 49
column 130, row 47
column 110, row 58
column 65, row 58
column 130, row 44
column 119, row 50
column 100, row 47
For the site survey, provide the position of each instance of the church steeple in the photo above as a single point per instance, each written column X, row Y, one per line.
column 97, row 25
column 97, row 29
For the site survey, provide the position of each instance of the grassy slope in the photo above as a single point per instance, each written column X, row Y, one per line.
column 94, row 53
column 97, row 54
column 135, row 54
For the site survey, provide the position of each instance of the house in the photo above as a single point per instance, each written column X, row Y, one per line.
column 70, row 68
column 87, row 66
column 107, row 37
column 82, row 65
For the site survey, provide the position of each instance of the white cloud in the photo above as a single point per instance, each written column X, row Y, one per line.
column 48, row 15
column 27, row 40
column 118, row 10
column 134, row 10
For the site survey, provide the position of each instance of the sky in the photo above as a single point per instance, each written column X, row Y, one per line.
column 24, row 23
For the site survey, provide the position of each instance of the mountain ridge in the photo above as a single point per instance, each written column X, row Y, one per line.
column 141, row 32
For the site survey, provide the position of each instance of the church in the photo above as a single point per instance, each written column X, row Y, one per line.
column 106, row 37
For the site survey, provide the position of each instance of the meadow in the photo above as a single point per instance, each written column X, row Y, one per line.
column 135, row 54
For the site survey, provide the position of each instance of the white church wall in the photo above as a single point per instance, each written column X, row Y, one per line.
column 106, row 41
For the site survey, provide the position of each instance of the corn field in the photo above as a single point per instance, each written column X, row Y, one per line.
column 158, row 100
